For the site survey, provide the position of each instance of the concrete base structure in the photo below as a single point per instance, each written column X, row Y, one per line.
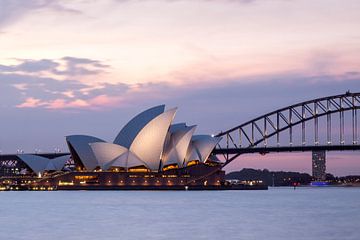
column 197, row 177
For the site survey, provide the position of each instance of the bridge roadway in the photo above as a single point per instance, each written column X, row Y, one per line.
column 264, row 150
column 247, row 150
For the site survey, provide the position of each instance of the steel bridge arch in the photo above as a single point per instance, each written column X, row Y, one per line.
column 275, row 122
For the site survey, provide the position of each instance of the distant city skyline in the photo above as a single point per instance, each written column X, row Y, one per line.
column 68, row 67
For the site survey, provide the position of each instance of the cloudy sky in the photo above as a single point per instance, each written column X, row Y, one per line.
column 88, row 66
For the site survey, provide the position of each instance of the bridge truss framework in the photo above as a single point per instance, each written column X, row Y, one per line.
column 253, row 136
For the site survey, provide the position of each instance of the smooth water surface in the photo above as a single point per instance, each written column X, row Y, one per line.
column 279, row 213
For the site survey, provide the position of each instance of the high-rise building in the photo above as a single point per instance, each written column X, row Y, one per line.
column 319, row 165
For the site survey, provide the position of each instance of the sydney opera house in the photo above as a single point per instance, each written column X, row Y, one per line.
column 149, row 152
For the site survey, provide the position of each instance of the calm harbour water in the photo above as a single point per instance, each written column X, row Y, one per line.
column 279, row 213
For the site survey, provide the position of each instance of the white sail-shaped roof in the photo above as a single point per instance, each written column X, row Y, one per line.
column 149, row 142
column 204, row 144
column 129, row 132
column 50, row 166
column 112, row 155
column 177, row 126
column 171, row 157
column 106, row 152
column 191, row 154
column 37, row 163
column 59, row 162
column 80, row 143
column 126, row 160
column 135, row 161
column 119, row 161
column 176, row 148
column 182, row 141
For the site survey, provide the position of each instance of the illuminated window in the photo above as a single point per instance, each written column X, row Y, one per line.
column 139, row 169
column 169, row 167
column 65, row 183
column 85, row 177
column 193, row 162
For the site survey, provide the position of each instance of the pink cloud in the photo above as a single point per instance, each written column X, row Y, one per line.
column 93, row 103
column 104, row 100
column 78, row 103
column 62, row 103
column 31, row 103
column 69, row 94
column 56, row 104
column 21, row 86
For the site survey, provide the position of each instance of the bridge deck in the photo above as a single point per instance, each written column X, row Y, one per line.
column 264, row 150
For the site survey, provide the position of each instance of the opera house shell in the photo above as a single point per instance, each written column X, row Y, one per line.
column 148, row 142
column 39, row 164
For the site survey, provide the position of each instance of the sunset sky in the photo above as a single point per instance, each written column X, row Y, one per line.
column 88, row 66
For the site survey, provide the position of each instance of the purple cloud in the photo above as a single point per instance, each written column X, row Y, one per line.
column 71, row 66
column 13, row 10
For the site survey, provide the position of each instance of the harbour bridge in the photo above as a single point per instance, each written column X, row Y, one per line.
column 322, row 124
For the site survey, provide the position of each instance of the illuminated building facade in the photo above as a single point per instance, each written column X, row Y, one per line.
column 319, row 165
